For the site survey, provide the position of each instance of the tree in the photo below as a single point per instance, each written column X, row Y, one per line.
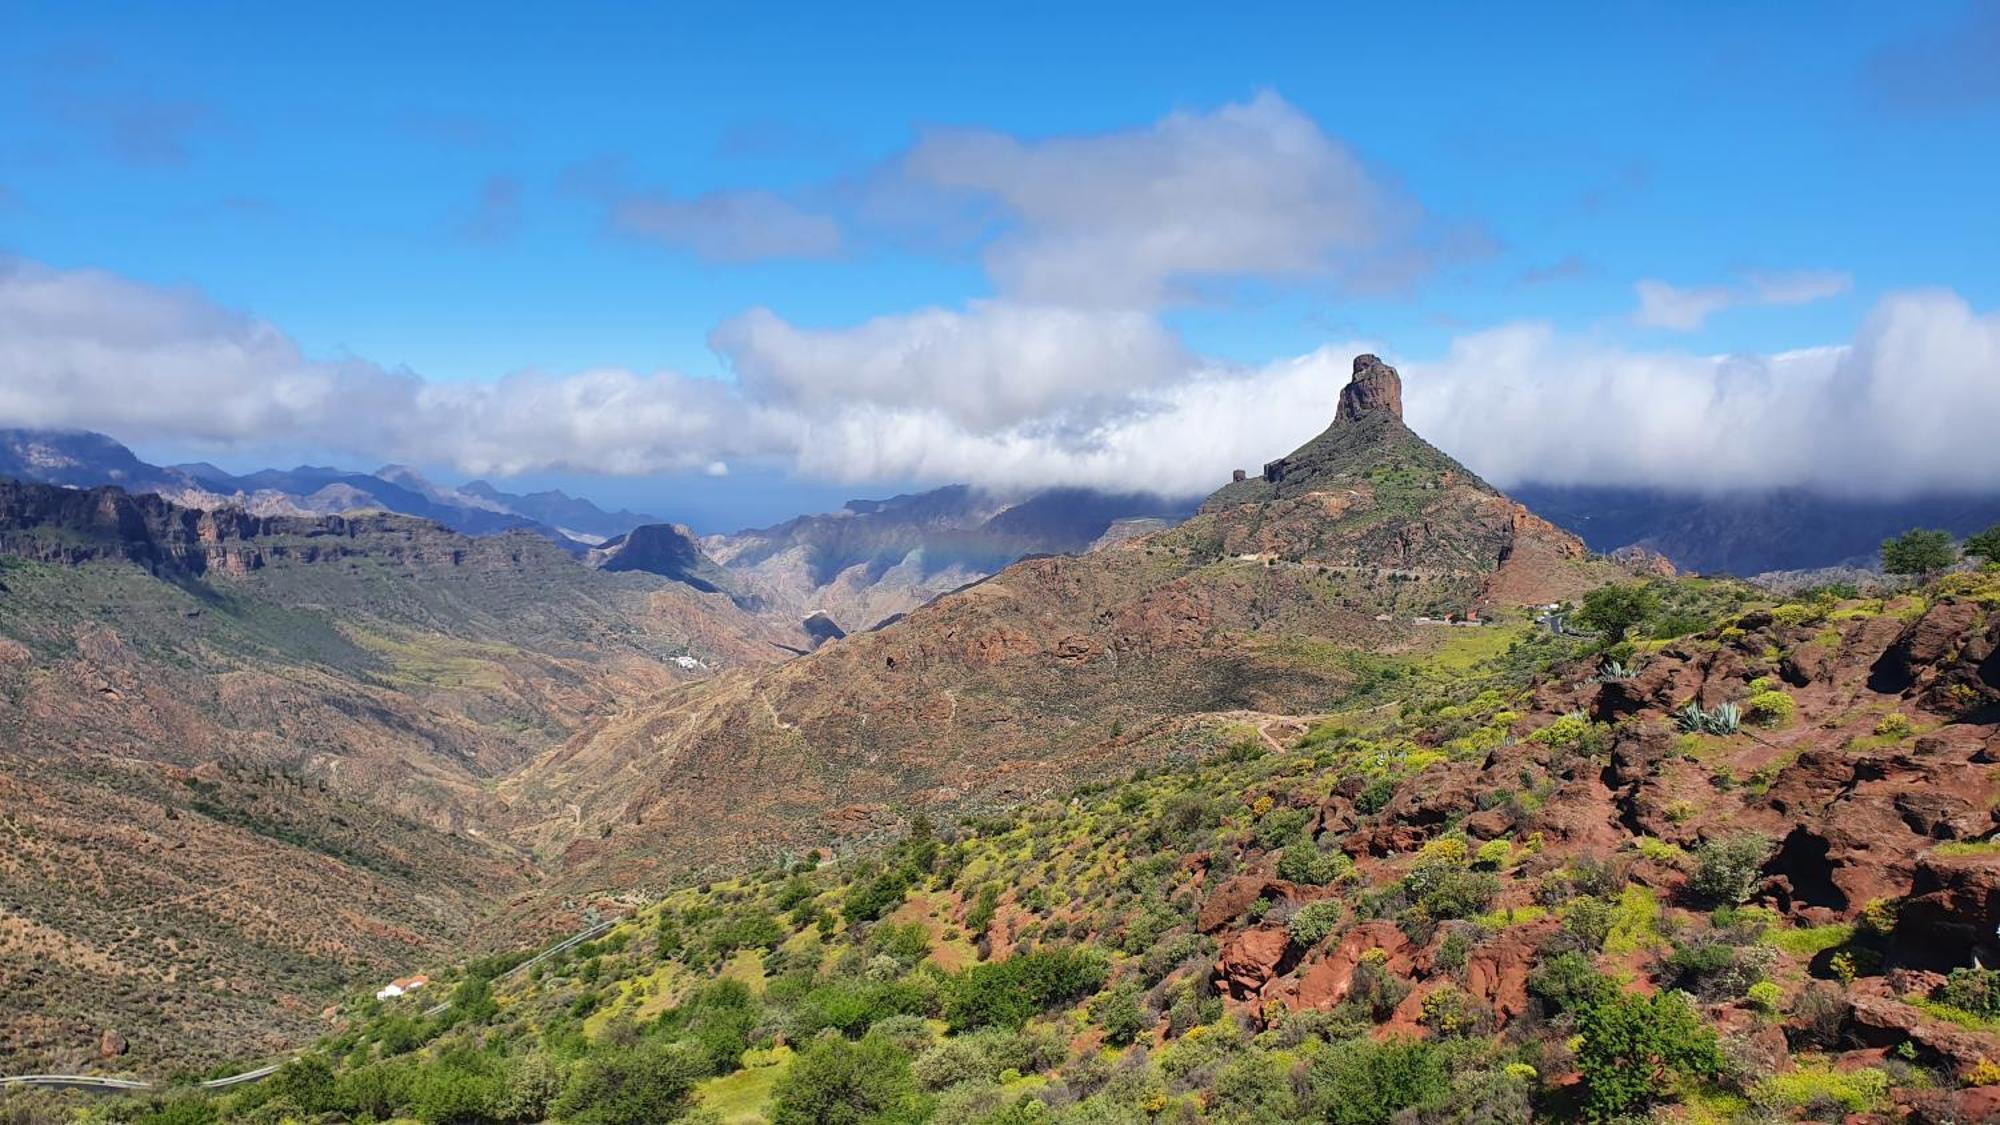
column 1614, row 610
column 1119, row 1014
column 637, row 1085
column 1985, row 545
column 1363, row 1082
column 1633, row 1044
column 838, row 1082
column 1918, row 551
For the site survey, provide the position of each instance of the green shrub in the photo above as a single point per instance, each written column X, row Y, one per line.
column 1770, row 708
column 983, row 909
column 1973, row 990
column 1118, row 1012
column 871, row 898
column 1314, row 921
column 1445, row 893
column 647, row 1082
column 1305, row 863
column 1727, row 871
column 1363, row 1082
column 1568, row 982
column 838, row 1082
column 1632, row 1044
column 1376, row 797
column 1009, row 993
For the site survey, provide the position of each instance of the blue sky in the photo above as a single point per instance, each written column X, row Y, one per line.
column 474, row 191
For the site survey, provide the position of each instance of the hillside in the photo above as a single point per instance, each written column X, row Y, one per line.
column 1275, row 598
column 875, row 559
column 247, row 758
column 1517, row 878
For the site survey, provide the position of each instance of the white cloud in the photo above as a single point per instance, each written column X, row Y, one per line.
column 728, row 226
column 1005, row 395
column 1666, row 306
column 1662, row 305
column 995, row 364
column 87, row 349
column 1123, row 219
column 1905, row 406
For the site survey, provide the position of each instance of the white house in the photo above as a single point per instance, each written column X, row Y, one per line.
column 400, row 987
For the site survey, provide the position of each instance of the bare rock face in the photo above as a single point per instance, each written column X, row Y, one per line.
column 1375, row 389
column 1249, row 961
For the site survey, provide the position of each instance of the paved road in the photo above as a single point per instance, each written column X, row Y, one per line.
column 113, row 1085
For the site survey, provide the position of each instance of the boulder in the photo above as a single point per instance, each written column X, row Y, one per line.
column 1880, row 1021
column 1959, row 1107
column 1249, row 961
column 1952, row 914
column 112, row 1044
column 1496, row 972
column 1229, row 901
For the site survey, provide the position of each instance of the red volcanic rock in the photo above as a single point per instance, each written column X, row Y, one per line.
column 1959, row 1107
column 112, row 1044
column 1497, row 973
column 1250, row 960
column 1952, row 913
column 1229, row 901
column 1809, row 663
column 1880, row 1021
column 1326, row 982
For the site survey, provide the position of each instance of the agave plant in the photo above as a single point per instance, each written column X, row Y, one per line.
column 1724, row 719
column 1613, row 670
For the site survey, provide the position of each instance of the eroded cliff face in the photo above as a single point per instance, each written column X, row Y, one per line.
column 244, row 760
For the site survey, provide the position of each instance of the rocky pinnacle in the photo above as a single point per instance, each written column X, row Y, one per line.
column 1375, row 388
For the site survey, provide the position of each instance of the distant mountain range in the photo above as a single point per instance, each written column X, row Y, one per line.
column 875, row 559
column 88, row 460
column 869, row 561
column 1752, row 532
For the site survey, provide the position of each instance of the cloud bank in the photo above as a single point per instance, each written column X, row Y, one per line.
column 1010, row 396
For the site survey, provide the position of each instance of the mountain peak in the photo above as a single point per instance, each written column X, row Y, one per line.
column 1375, row 389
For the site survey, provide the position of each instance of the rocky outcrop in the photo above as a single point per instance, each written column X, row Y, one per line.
column 1234, row 898
column 1376, row 388
column 1250, row 960
column 1952, row 915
